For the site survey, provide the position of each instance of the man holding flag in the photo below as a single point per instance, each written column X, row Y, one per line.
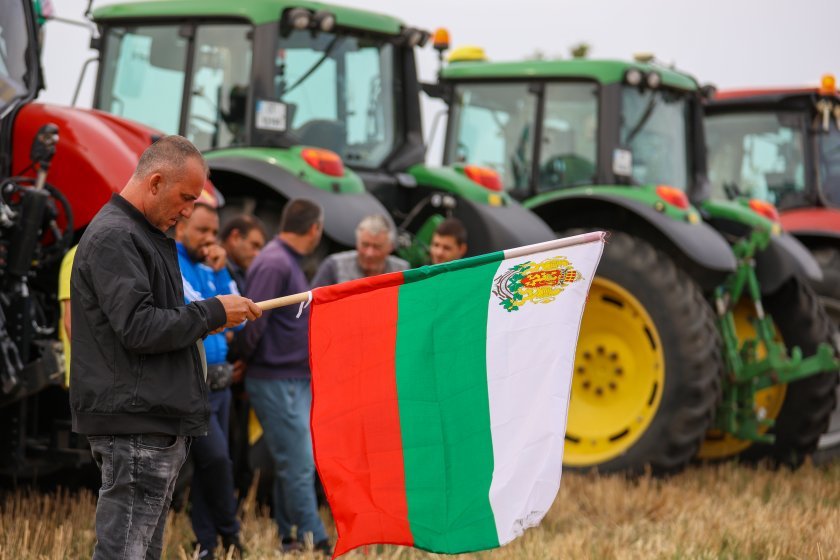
column 137, row 386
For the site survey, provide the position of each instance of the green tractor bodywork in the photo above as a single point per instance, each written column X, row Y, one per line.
column 619, row 145
column 297, row 99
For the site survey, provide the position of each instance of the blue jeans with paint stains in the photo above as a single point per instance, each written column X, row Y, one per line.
column 138, row 476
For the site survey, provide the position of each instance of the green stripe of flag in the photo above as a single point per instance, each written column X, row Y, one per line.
column 424, row 272
column 443, row 403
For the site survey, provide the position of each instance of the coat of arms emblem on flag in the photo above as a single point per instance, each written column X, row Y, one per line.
column 536, row 282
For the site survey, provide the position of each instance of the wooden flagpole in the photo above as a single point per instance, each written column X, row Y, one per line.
column 284, row 301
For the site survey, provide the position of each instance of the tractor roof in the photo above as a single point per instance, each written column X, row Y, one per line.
column 255, row 11
column 827, row 88
column 766, row 96
column 602, row 71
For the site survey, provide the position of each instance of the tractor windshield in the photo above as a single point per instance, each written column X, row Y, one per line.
column 339, row 94
column 493, row 125
column 757, row 155
column 569, row 136
column 829, row 164
column 145, row 71
column 654, row 128
column 13, row 49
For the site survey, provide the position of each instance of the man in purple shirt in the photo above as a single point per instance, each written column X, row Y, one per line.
column 277, row 376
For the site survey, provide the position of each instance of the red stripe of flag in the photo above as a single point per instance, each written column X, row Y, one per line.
column 355, row 415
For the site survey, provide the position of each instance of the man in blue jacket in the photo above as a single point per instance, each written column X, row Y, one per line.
column 205, row 274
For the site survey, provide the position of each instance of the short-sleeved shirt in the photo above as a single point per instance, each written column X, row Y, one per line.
column 64, row 295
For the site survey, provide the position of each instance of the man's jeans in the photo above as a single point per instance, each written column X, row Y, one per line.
column 282, row 407
column 138, row 476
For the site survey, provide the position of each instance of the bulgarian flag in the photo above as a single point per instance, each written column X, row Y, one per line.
column 440, row 395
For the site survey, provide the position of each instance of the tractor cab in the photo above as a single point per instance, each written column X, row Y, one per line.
column 20, row 76
column 279, row 79
column 293, row 99
column 781, row 146
column 261, row 90
column 630, row 131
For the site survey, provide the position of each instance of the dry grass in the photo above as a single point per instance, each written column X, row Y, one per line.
column 727, row 512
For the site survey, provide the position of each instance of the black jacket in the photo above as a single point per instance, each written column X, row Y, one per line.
column 136, row 367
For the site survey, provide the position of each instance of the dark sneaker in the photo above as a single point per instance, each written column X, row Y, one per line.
column 291, row 546
column 203, row 553
column 232, row 541
column 324, row 547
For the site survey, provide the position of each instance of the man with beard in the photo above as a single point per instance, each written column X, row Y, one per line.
column 243, row 237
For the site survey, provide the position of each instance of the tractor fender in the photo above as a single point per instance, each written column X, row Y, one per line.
column 495, row 228
column 95, row 156
column 342, row 211
column 784, row 258
column 696, row 247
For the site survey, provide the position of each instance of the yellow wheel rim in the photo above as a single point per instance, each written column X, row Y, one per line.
column 618, row 377
column 768, row 402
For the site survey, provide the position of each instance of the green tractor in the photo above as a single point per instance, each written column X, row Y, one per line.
column 299, row 99
column 679, row 334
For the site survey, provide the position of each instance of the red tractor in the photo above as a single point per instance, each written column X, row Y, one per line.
column 783, row 146
column 58, row 166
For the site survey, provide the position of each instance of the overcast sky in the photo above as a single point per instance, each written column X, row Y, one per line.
column 731, row 43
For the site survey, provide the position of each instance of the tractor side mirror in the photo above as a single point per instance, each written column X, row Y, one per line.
column 434, row 90
column 43, row 145
column 443, row 91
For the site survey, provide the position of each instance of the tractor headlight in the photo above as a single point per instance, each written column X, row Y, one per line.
column 633, row 77
column 654, row 80
column 298, row 18
column 325, row 21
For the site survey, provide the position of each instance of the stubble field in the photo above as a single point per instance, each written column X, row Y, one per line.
column 726, row 512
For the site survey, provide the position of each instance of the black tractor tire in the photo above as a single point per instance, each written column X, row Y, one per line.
column 829, row 288
column 802, row 321
column 691, row 347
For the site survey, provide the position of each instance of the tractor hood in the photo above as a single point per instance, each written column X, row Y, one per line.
column 95, row 156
